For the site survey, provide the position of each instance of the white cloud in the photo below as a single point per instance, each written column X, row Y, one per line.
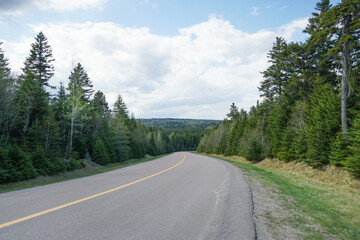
column 146, row 2
column 195, row 74
column 293, row 30
column 18, row 7
column 255, row 11
column 66, row 5
column 283, row 7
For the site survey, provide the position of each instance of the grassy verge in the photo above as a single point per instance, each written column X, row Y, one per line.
column 79, row 173
column 332, row 205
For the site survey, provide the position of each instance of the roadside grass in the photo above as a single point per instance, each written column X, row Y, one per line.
column 321, row 207
column 79, row 173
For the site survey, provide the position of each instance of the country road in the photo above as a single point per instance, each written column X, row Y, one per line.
column 180, row 196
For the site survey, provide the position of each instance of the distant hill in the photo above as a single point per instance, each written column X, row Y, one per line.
column 179, row 125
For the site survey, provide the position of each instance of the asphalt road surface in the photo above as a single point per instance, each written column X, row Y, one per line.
column 180, row 196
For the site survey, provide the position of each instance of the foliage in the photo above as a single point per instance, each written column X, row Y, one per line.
column 42, row 134
column 302, row 115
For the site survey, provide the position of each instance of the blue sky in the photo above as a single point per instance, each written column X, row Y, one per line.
column 166, row 58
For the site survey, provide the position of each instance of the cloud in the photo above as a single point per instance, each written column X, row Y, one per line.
column 196, row 74
column 146, row 2
column 255, row 11
column 16, row 7
column 283, row 7
column 293, row 30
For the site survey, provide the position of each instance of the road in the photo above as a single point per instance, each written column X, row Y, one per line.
column 180, row 196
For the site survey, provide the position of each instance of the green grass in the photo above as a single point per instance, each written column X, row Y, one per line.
column 79, row 173
column 334, row 209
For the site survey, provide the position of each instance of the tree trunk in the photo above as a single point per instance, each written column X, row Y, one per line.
column 345, row 74
column 72, row 123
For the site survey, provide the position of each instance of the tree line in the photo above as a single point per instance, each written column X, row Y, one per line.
column 44, row 134
column 310, row 108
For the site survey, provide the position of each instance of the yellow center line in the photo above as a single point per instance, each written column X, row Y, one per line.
column 86, row 198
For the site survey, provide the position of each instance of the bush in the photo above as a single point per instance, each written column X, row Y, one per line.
column 100, row 154
column 40, row 162
column 4, row 175
column 253, row 151
column 339, row 150
column 4, row 166
column 72, row 165
column 352, row 162
column 22, row 164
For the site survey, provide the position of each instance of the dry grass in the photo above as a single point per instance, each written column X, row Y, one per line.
column 327, row 174
column 328, row 197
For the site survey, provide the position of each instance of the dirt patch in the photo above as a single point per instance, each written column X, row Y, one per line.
column 274, row 216
column 277, row 216
column 271, row 218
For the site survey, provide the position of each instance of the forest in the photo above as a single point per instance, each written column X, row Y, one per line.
column 45, row 134
column 181, row 125
column 310, row 98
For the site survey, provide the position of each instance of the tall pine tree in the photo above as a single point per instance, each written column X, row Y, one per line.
column 40, row 61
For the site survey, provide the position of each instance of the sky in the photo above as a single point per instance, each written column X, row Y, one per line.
column 166, row 58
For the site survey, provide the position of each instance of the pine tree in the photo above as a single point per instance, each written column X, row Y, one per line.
column 31, row 101
column 23, row 166
column 100, row 154
column 6, row 168
column 341, row 25
column 40, row 61
column 60, row 113
column 234, row 112
column 121, row 141
column 320, row 62
column 339, row 150
column 7, row 93
column 120, row 109
column 275, row 129
column 322, row 122
column 100, row 105
column 352, row 162
column 278, row 73
column 80, row 90
column 80, row 81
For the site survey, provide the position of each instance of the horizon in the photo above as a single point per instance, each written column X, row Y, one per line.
column 162, row 63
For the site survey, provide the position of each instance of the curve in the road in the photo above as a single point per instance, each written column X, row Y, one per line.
column 86, row 198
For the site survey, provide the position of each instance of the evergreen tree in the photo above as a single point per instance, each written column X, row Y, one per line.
column 80, row 81
column 100, row 105
column 120, row 109
column 320, row 62
column 7, row 93
column 352, row 162
column 277, row 74
column 23, row 167
column 322, row 122
column 277, row 121
column 100, row 115
column 32, row 103
column 339, row 150
column 120, row 140
column 234, row 112
column 61, row 109
column 40, row 61
column 80, row 90
column 340, row 24
column 100, row 154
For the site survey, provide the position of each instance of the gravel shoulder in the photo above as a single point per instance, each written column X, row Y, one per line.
column 270, row 213
column 287, row 206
